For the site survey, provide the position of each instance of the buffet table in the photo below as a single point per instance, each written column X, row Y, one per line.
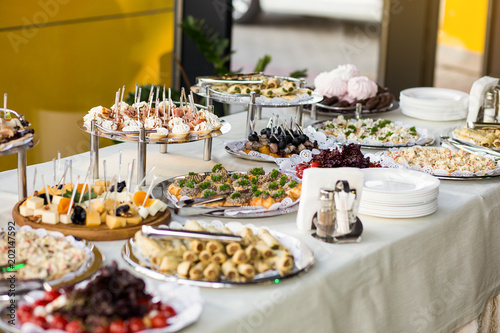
column 429, row 274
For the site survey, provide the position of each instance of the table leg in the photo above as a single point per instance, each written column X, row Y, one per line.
column 314, row 112
column 251, row 114
column 21, row 174
column 298, row 115
column 207, row 150
column 259, row 113
column 163, row 148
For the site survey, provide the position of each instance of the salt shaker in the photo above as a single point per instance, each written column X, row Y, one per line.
column 325, row 223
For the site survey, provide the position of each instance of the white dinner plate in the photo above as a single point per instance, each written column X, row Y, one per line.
column 434, row 96
column 398, row 181
column 397, row 212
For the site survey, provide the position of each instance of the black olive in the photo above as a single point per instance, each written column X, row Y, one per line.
column 121, row 185
column 288, row 139
column 264, row 131
column 296, row 142
column 273, row 139
column 79, row 215
column 250, row 137
column 282, row 144
column 295, row 133
column 44, row 197
column 303, row 138
column 60, row 186
column 122, row 209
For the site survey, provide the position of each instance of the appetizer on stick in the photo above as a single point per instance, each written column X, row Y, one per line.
column 13, row 127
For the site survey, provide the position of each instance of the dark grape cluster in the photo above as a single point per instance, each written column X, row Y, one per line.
column 349, row 156
column 113, row 294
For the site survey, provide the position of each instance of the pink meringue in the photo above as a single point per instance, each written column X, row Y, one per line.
column 332, row 86
column 361, row 87
column 319, row 81
column 351, row 68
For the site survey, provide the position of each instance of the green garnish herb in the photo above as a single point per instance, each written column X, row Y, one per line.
column 182, row 182
column 274, row 173
column 255, row 180
column 257, row 193
column 235, row 176
column 348, row 133
column 224, row 187
column 208, row 193
column 352, row 127
column 189, row 184
column 217, row 167
column 192, row 173
column 283, row 180
column 278, row 194
column 235, row 195
column 257, row 171
column 255, row 188
column 243, row 182
column 273, row 186
column 245, row 177
column 204, row 185
column 292, row 184
column 216, row 178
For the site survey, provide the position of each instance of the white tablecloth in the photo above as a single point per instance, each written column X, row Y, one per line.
column 429, row 274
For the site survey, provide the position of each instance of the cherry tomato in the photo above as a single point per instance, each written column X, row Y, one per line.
column 146, row 302
column 24, row 312
column 136, row 324
column 39, row 321
column 118, row 326
column 40, row 302
column 167, row 311
column 301, row 166
column 59, row 322
column 101, row 329
column 300, row 173
column 74, row 327
column 315, row 165
column 51, row 295
column 159, row 321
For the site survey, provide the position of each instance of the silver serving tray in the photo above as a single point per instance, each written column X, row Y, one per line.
column 451, row 134
column 132, row 136
column 303, row 261
column 325, row 110
column 430, row 140
column 160, row 191
column 247, row 157
column 25, row 144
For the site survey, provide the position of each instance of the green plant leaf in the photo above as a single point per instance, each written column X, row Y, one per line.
column 299, row 73
column 262, row 63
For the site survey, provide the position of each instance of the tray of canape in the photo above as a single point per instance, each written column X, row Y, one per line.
column 441, row 162
column 373, row 134
column 163, row 120
column 46, row 257
column 231, row 194
column 217, row 255
column 132, row 305
column 109, row 215
column 270, row 90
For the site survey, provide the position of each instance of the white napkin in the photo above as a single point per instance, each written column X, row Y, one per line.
column 477, row 93
column 316, row 178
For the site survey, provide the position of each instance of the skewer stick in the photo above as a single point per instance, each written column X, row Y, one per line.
column 113, row 180
column 90, row 197
column 34, row 183
column 145, row 177
column 157, row 101
column 116, row 198
column 58, row 161
column 130, row 173
column 121, row 97
column 135, row 94
column 72, row 200
column 180, row 100
column 54, row 170
column 150, row 99
column 71, row 171
column 149, row 190
column 137, row 104
column 163, row 103
column 120, row 167
column 84, row 181
column 117, row 109
column 62, row 178
column 47, row 194
column 5, row 102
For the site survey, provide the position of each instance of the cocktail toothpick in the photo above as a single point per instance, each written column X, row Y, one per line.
column 54, row 169
column 145, row 177
column 117, row 109
column 72, row 200
column 137, row 104
column 129, row 175
column 71, row 171
column 84, row 181
column 105, row 184
column 120, row 166
column 121, row 97
column 150, row 99
column 34, row 183
column 47, row 194
column 149, row 190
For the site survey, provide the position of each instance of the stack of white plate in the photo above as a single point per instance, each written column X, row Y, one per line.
column 398, row 193
column 436, row 104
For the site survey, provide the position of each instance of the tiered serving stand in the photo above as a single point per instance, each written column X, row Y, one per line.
column 143, row 140
column 21, row 150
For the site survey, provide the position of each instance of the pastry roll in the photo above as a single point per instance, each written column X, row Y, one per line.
column 289, row 86
column 189, row 256
column 196, row 246
column 273, row 83
column 246, row 270
column 246, row 90
column 219, row 258
column 214, row 246
column 229, row 270
column 232, row 247
column 252, row 252
column 248, row 236
column 169, row 264
column 267, row 92
column 261, row 266
column 269, row 240
column 196, row 272
column 212, row 272
column 240, row 257
column 205, row 256
column 193, row 225
column 282, row 262
column 235, row 89
column 225, row 230
column 183, row 269
column 264, row 250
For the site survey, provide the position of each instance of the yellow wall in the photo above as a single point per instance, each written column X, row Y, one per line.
column 75, row 57
column 463, row 24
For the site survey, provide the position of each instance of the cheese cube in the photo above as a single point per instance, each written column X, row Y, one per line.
column 97, row 205
column 25, row 211
column 65, row 218
column 155, row 207
column 50, row 216
column 39, row 211
column 114, row 222
column 56, row 199
column 93, row 219
column 134, row 220
column 98, row 189
column 143, row 212
column 34, row 203
column 103, row 216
